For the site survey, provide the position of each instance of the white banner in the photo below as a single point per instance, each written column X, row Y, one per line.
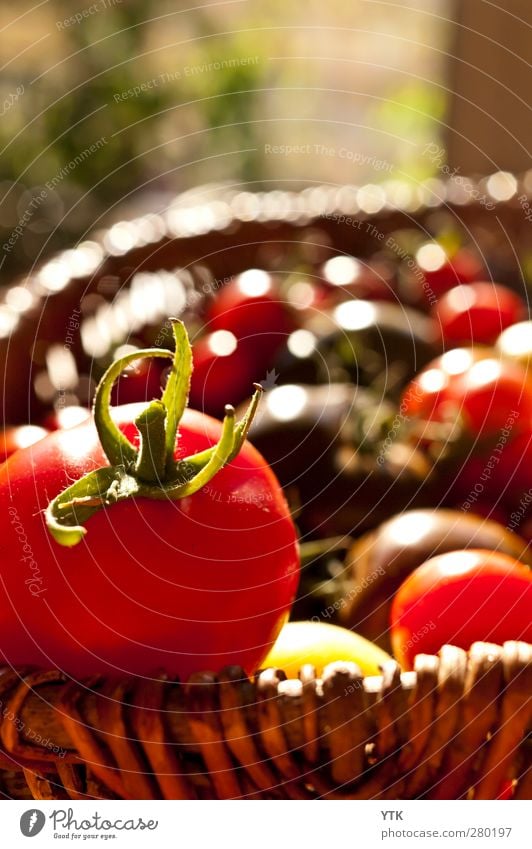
column 204, row 824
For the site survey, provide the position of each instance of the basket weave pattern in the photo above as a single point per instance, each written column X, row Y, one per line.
column 454, row 728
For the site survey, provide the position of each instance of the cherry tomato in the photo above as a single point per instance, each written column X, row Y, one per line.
column 223, row 372
column 157, row 578
column 489, row 393
column 320, row 643
column 441, row 272
column 514, row 472
column 344, row 275
column 66, row 417
column 515, row 343
column 140, row 382
column 477, row 313
column 458, row 598
column 16, row 437
column 251, row 308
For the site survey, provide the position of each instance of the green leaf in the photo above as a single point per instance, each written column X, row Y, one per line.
column 242, row 428
column 72, row 507
column 219, row 456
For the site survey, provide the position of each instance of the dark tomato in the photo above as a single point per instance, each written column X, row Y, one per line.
column 512, row 475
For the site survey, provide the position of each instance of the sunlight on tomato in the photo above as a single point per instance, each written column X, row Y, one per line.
column 459, row 598
column 319, row 643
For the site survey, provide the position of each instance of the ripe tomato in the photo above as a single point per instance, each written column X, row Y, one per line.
column 188, row 584
column 441, row 272
column 477, row 313
column 372, row 280
column 484, row 390
column 459, row 598
column 512, row 476
column 252, row 309
column 320, row 643
column 20, row 436
column 223, row 371
column 515, row 343
column 141, row 381
column 66, row 417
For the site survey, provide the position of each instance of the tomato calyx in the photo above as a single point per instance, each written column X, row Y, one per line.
column 149, row 471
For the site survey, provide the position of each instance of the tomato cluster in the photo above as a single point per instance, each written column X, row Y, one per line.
column 403, row 382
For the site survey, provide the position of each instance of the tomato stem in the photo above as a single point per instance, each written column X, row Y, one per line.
column 151, row 458
column 150, row 471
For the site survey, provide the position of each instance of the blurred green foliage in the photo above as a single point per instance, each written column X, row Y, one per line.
column 229, row 78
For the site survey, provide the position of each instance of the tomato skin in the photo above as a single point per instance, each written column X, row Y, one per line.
column 181, row 585
column 475, row 384
column 66, row 417
column 491, row 392
column 477, row 312
column 141, row 381
column 251, row 308
column 463, row 267
column 458, row 598
column 430, row 391
column 19, row 436
column 344, row 276
column 320, row 643
column 219, row 379
column 496, row 478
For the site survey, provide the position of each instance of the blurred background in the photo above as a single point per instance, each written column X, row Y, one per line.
column 109, row 108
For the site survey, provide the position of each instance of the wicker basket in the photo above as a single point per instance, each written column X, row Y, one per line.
column 454, row 728
column 228, row 232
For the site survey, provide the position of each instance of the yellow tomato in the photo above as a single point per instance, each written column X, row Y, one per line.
column 319, row 643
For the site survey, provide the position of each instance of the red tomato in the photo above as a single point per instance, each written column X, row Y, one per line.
column 141, row 381
column 182, row 585
column 506, row 790
column 441, row 273
column 372, row 281
column 223, row 372
column 458, row 598
column 513, row 474
column 477, row 313
column 66, row 417
column 251, row 308
column 14, row 438
column 489, row 393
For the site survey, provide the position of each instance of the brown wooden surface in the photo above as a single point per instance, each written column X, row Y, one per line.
column 489, row 125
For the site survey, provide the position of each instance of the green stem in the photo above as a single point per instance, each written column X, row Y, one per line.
column 151, row 459
column 118, row 449
column 175, row 395
column 150, row 471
